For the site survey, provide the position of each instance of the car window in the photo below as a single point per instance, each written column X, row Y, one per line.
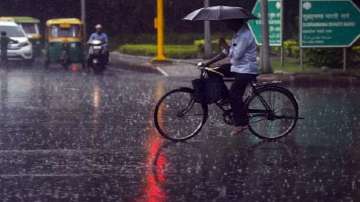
column 12, row 31
column 29, row 28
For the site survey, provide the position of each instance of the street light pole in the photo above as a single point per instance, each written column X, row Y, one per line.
column 265, row 55
column 207, row 34
column 83, row 17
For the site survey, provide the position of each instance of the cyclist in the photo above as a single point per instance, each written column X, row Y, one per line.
column 243, row 67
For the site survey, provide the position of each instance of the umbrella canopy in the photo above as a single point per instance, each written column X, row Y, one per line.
column 219, row 13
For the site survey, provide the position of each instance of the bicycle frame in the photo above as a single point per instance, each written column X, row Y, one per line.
column 260, row 108
column 267, row 112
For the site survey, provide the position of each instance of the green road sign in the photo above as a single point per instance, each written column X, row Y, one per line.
column 275, row 22
column 333, row 23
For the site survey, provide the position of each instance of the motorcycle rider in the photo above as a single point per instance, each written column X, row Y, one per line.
column 101, row 36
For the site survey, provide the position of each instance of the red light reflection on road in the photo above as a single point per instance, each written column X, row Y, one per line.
column 153, row 190
column 155, row 172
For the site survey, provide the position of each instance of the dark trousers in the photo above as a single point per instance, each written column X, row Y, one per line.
column 3, row 58
column 236, row 94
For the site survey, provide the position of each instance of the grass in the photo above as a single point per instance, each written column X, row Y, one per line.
column 171, row 51
column 292, row 65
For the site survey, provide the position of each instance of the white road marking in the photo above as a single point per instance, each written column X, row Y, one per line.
column 163, row 72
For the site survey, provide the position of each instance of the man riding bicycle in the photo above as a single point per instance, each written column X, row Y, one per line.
column 181, row 113
column 243, row 67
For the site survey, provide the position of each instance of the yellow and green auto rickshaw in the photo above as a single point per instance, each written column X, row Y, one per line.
column 64, row 42
column 31, row 27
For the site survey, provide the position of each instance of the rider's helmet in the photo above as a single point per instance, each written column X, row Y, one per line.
column 98, row 26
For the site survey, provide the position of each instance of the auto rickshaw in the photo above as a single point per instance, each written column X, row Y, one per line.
column 64, row 42
column 31, row 27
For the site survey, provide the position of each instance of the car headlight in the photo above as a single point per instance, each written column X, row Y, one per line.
column 24, row 44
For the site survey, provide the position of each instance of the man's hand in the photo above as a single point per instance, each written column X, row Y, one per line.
column 223, row 44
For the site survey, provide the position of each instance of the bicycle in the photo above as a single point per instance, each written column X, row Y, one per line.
column 181, row 114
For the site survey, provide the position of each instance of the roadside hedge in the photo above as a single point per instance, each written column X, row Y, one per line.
column 318, row 57
column 194, row 48
column 292, row 48
column 171, row 51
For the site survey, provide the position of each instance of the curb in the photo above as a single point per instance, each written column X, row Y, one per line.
column 141, row 66
column 316, row 79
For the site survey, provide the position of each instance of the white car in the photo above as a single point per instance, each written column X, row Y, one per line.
column 20, row 50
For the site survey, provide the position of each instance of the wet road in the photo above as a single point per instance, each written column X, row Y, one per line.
column 71, row 136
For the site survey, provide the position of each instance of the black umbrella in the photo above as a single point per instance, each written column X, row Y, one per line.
column 219, row 13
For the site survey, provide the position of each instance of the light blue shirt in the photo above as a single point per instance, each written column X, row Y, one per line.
column 101, row 37
column 243, row 52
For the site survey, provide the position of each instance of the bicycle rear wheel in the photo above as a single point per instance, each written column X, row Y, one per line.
column 273, row 112
column 178, row 117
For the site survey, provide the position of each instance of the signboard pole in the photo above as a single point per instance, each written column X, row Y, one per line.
column 207, row 34
column 301, row 58
column 282, row 57
column 344, row 59
column 266, row 62
column 83, row 19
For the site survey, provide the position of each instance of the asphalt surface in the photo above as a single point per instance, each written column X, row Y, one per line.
column 76, row 136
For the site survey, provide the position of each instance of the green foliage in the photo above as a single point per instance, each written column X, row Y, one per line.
column 150, row 38
column 355, row 55
column 332, row 57
column 275, row 49
column 201, row 43
column 291, row 65
column 318, row 57
column 291, row 47
column 329, row 57
column 171, row 51
column 139, row 44
column 145, row 38
column 356, row 48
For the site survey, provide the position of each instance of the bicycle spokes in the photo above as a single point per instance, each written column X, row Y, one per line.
column 181, row 116
column 272, row 113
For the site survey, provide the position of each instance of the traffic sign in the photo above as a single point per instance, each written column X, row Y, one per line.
column 275, row 22
column 333, row 23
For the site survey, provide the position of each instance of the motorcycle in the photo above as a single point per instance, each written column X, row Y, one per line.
column 97, row 59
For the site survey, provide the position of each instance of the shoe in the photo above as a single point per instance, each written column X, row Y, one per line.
column 239, row 129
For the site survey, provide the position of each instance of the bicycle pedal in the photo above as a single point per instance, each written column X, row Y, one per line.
column 224, row 102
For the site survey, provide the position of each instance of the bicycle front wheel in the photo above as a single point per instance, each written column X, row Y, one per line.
column 178, row 117
column 273, row 113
